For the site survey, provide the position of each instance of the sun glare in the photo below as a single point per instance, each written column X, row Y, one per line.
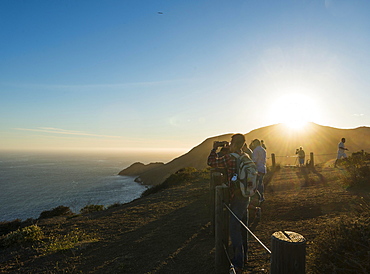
column 294, row 110
column 296, row 125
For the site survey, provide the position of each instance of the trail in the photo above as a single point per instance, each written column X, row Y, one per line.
column 293, row 177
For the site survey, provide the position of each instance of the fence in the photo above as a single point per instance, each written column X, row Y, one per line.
column 288, row 248
column 311, row 162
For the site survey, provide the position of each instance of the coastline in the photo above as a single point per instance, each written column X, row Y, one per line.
column 114, row 189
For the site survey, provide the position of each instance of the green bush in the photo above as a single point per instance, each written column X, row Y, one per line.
column 91, row 208
column 59, row 242
column 58, row 211
column 27, row 234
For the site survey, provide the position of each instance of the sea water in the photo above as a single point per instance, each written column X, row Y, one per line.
column 31, row 183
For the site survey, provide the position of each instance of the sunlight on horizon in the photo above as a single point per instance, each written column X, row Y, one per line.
column 296, row 125
column 295, row 111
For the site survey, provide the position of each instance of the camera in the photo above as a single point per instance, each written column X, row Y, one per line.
column 221, row 143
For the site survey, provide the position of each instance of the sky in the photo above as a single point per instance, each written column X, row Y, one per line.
column 166, row 75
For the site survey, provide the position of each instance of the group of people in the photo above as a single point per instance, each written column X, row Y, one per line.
column 341, row 153
column 238, row 203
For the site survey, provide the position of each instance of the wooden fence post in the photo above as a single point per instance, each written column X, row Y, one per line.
column 273, row 160
column 288, row 253
column 217, row 178
column 312, row 163
column 221, row 229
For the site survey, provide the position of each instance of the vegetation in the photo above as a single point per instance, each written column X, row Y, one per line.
column 344, row 246
column 6, row 227
column 357, row 169
column 114, row 205
column 91, row 208
column 58, row 211
column 335, row 221
column 29, row 234
column 57, row 242
column 34, row 236
column 181, row 176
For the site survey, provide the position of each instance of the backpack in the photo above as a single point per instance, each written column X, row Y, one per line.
column 246, row 177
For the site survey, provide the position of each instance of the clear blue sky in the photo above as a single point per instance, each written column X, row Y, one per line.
column 169, row 74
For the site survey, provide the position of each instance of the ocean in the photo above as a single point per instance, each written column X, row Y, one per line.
column 32, row 182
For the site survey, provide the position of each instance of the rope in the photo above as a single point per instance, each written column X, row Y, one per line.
column 295, row 156
column 268, row 250
column 228, row 258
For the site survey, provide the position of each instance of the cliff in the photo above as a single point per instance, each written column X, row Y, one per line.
column 139, row 168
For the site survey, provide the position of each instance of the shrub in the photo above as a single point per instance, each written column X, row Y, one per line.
column 343, row 248
column 58, row 211
column 6, row 227
column 91, row 208
column 114, row 205
column 63, row 242
column 31, row 233
column 358, row 172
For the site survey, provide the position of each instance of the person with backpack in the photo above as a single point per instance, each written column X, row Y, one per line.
column 259, row 158
column 239, row 197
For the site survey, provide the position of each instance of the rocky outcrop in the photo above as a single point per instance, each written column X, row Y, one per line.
column 139, row 168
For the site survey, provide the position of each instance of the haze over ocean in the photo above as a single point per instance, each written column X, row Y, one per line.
column 32, row 182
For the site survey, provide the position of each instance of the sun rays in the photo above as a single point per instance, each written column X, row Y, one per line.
column 294, row 110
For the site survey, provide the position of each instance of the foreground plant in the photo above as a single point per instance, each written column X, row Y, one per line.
column 29, row 234
column 71, row 240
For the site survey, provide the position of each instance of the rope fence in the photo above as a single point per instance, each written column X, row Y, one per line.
column 323, row 157
column 288, row 248
column 258, row 240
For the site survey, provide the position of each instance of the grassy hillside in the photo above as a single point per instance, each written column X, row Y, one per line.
column 280, row 140
column 169, row 230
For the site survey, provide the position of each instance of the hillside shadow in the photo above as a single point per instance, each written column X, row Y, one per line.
column 311, row 176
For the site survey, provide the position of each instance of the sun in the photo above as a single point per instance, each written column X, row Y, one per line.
column 296, row 125
column 294, row 110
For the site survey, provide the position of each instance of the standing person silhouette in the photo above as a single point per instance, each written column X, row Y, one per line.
column 247, row 150
column 259, row 158
column 238, row 203
column 263, row 144
column 301, row 156
column 341, row 151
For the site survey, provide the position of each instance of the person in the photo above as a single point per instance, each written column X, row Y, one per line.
column 247, row 150
column 341, row 151
column 238, row 203
column 252, row 145
column 301, row 156
column 263, row 144
column 259, row 158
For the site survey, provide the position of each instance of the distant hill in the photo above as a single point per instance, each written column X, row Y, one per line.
column 139, row 168
column 280, row 140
